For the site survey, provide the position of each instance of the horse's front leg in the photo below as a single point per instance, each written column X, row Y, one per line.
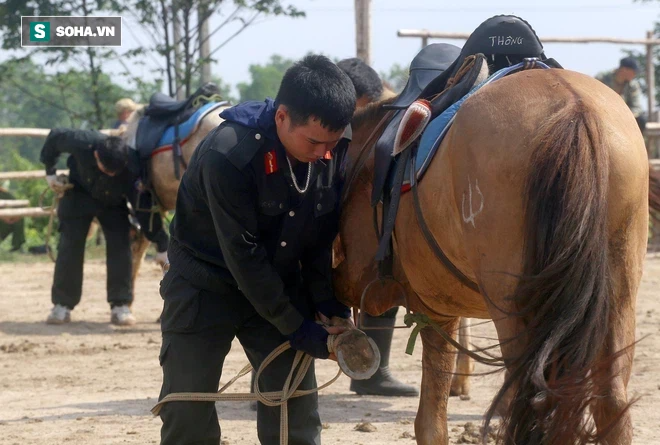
column 437, row 367
column 460, row 384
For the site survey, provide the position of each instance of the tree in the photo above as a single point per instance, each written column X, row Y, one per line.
column 266, row 79
column 396, row 78
column 86, row 59
column 641, row 59
column 174, row 27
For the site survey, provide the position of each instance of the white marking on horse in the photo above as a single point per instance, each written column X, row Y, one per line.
column 469, row 218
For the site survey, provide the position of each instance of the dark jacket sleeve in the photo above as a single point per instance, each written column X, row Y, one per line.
column 64, row 140
column 231, row 197
column 317, row 271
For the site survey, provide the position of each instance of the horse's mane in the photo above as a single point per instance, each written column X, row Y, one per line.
column 370, row 115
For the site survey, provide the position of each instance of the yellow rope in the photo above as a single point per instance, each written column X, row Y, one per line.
column 299, row 367
column 197, row 101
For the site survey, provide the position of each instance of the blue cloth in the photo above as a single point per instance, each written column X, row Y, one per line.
column 186, row 128
column 254, row 114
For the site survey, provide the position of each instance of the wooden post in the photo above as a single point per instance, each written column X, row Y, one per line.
column 425, row 42
column 13, row 203
column 204, row 42
column 23, row 213
column 43, row 132
column 29, row 174
column 650, row 77
column 363, row 30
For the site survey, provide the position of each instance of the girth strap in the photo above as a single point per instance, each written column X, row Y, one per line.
column 429, row 237
column 390, row 208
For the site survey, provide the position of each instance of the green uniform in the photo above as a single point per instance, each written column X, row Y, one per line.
column 631, row 92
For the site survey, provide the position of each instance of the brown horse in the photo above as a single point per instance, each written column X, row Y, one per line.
column 163, row 179
column 539, row 194
column 460, row 385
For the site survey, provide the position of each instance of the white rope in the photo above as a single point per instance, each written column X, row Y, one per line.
column 299, row 368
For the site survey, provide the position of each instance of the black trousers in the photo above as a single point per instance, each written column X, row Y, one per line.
column 75, row 212
column 16, row 230
column 198, row 328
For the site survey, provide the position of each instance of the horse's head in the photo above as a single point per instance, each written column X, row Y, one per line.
column 358, row 243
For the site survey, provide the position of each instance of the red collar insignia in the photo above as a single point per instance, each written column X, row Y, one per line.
column 270, row 162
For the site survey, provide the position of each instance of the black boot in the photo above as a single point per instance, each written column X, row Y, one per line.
column 382, row 383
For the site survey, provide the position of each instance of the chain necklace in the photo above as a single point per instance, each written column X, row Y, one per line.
column 293, row 176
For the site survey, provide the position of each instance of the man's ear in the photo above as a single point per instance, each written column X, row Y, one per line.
column 280, row 114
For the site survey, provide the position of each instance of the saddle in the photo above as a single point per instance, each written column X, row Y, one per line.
column 435, row 91
column 165, row 113
column 502, row 41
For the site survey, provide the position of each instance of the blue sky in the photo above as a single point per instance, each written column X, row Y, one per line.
column 329, row 28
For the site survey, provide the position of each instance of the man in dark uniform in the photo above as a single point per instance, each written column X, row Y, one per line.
column 103, row 172
column 369, row 88
column 250, row 253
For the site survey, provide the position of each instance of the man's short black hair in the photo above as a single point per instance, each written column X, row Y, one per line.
column 113, row 154
column 366, row 80
column 315, row 86
column 629, row 62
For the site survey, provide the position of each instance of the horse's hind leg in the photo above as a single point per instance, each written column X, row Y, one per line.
column 460, row 384
column 612, row 393
column 437, row 366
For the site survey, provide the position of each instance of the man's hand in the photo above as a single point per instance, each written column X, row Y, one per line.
column 312, row 338
column 333, row 308
column 57, row 184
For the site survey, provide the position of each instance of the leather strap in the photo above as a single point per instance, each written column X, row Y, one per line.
column 429, row 237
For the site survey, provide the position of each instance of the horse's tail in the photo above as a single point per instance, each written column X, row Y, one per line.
column 563, row 296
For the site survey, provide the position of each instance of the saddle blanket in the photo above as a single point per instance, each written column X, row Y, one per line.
column 186, row 129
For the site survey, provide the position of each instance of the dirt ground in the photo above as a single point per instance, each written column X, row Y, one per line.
column 89, row 382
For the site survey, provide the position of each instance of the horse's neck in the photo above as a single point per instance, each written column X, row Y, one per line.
column 364, row 125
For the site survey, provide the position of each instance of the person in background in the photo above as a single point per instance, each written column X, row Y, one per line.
column 123, row 107
column 368, row 85
column 623, row 81
column 103, row 172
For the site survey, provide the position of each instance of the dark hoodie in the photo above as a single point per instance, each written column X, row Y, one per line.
column 254, row 114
